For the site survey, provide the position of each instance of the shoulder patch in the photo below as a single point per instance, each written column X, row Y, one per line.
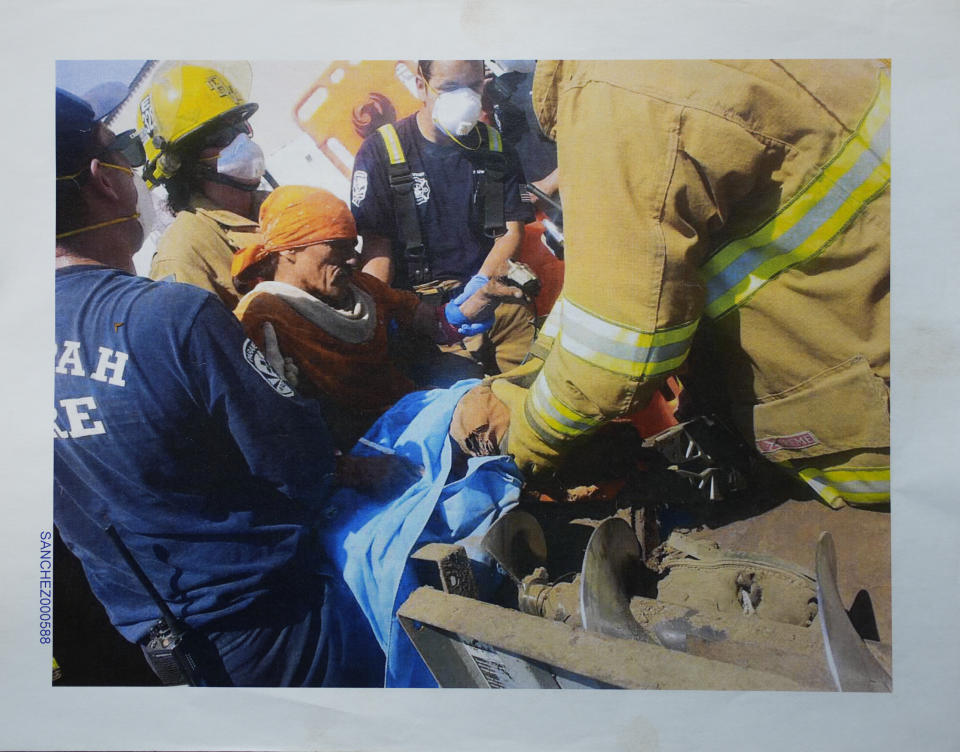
column 421, row 188
column 253, row 356
column 359, row 192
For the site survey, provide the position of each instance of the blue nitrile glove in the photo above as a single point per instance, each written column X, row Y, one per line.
column 465, row 327
column 473, row 284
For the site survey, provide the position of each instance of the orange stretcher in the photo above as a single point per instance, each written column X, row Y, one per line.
column 350, row 100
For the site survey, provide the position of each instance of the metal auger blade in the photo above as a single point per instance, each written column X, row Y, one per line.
column 610, row 566
column 852, row 665
column 517, row 544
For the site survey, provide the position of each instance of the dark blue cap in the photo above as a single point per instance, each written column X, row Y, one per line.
column 76, row 125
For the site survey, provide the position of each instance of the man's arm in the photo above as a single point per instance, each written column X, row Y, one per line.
column 430, row 320
column 281, row 436
column 505, row 248
column 549, row 184
column 371, row 201
column 376, row 259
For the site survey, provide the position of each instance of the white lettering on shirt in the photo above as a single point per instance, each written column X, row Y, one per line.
column 76, row 417
column 110, row 366
column 70, row 358
column 421, row 188
column 116, row 367
column 359, row 188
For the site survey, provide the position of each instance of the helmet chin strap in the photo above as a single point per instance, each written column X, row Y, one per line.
column 215, row 177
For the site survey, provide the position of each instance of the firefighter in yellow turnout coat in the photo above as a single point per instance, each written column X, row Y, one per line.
column 749, row 198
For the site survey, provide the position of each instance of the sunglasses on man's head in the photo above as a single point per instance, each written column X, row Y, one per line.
column 130, row 146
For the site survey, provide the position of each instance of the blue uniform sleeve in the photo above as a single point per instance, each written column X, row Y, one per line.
column 514, row 207
column 371, row 198
column 281, row 436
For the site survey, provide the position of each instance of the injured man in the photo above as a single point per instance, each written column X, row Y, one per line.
column 328, row 329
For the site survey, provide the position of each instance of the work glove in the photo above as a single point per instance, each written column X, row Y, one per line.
column 285, row 368
column 455, row 316
column 532, row 456
column 512, row 388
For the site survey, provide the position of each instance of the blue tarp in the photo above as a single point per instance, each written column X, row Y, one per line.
column 373, row 541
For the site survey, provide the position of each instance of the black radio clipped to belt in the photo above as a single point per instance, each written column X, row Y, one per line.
column 169, row 649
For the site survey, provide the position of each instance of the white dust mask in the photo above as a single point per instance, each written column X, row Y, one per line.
column 242, row 160
column 457, row 112
column 145, row 207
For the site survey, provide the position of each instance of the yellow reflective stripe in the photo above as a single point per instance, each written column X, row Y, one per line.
column 549, row 416
column 620, row 349
column 818, row 213
column 861, row 485
column 495, row 143
column 392, row 141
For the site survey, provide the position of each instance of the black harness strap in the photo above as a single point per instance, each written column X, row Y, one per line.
column 405, row 208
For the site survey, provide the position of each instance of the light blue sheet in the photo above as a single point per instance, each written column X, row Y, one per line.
column 372, row 543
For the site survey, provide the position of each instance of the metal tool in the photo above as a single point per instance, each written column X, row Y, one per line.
column 517, row 544
column 610, row 565
column 852, row 665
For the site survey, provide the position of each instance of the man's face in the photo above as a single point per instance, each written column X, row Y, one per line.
column 322, row 269
column 449, row 75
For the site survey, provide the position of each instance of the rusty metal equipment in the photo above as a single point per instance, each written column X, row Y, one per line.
column 757, row 624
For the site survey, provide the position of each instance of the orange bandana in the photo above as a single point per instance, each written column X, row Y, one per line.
column 294, row 216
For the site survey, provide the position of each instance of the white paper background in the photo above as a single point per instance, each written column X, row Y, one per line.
column 921, row 37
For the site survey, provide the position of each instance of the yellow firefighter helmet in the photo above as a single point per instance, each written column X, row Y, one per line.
column 182, row 100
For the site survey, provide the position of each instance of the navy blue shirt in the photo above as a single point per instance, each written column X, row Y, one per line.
column 171, row 426
column 520, row 128
column 445, row 181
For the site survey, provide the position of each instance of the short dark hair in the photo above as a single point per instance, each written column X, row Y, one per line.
column 426, row 66
column 262, row 271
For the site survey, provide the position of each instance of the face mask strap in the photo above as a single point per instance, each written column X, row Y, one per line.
column 211, row 174
column 98, row 226
column 460, row 143
column 105, row 164
column 118, row 167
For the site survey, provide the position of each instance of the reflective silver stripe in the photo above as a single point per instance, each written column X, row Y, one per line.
column 573, row 330
column 551, row 417
column 551, row 327
column 857, row 486
column 621, row 349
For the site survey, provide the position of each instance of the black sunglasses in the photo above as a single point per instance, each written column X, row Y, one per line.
column 130, row 146
column 223, row 136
